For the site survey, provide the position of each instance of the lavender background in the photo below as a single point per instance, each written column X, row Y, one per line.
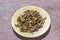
column 9, row 7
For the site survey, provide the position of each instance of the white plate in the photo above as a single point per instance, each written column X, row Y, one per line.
column 41, row 31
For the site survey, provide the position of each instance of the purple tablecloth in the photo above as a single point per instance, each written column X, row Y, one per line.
column 9, row 7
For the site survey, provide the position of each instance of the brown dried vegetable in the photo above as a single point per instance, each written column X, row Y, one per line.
column 30, row 21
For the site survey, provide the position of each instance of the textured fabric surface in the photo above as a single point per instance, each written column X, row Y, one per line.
column 9, row 7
